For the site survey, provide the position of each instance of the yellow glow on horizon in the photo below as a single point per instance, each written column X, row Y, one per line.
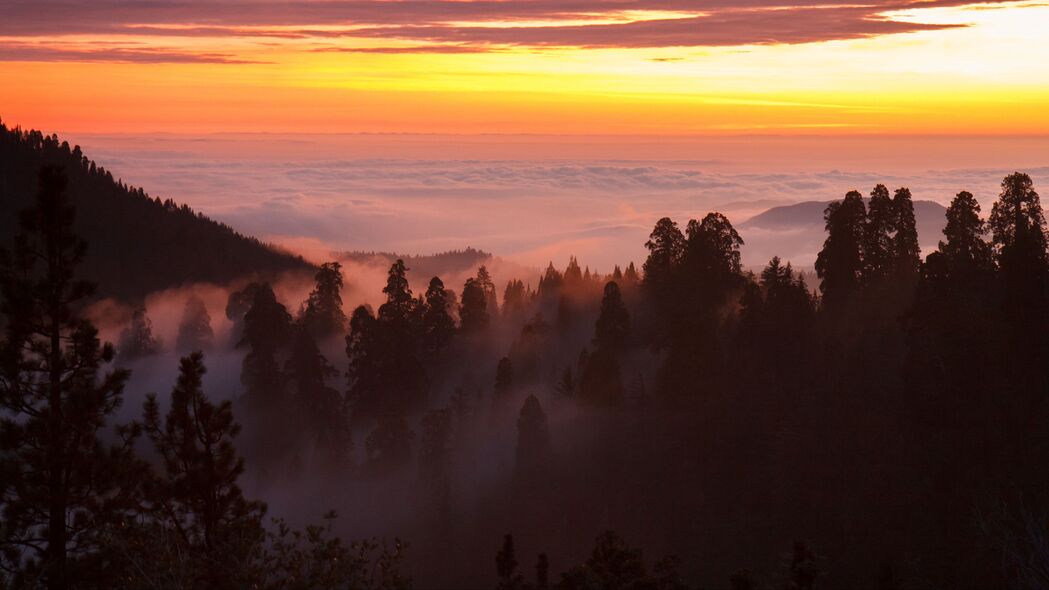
column 986, row 78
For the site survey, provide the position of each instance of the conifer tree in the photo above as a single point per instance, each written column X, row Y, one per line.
column 137, row 340
column 966, row 249
column 321, row 406
column 905, row 248
column 533, row 441
column 666, row 247
column 63, row 487
column 438, row 323
column 197, row 494
column 839, row 264
column 473, row 311
column 878, row 251
column 504, row 378
column 484, row 279
column 322, row 313
column 194, row 330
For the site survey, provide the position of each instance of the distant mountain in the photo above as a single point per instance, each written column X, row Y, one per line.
column 422, row 267
column 796, row 232
column 929, row 216
column 136, row 244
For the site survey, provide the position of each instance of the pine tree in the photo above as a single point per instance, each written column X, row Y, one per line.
column 514, row 297
column 137, row 340
column 878, row 250
column 666, row 247
column 839, row 264
column 533, row 441
column 966, row 250
column 197, row 495
column 473, row 312
column 63, row 488
column 506, row 566
column 267, row 329
column 322, row 313
column 504, row 378
column 484, row 279
column 194, row 331
column 906, row 251
column 321, row 406
column 438, row 323
column 613, row 323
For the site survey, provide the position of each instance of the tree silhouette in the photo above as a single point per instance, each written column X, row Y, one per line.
column 533, row 442
column 878, row 231
column 322, row 313
column 197, row 494
column 438, row 323
column 840, row 263
column 63, row 486
column 484, row 279
column 137, row 340
column 504, row 378
column 321, row 406
column 473, row 312
column 194, row 330
column 905, row 249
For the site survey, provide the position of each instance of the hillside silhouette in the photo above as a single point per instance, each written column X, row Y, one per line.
column 138, row 243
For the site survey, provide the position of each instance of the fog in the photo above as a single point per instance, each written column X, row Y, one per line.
column 531, row 199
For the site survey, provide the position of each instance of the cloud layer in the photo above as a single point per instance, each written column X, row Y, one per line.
column 447, row 26
column 315, row 194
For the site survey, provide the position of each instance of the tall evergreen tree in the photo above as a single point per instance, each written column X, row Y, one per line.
column 504, row 378
column 878, row 231
column 322, row 313
column 197, row 495
column 666, row 246
column 137, row 340
column 533, row 441
column 267, row 329
column 194, row 330
column 906, row 251
column 473, row 311
column 966, row 249
column 64, row 488
column 613, row 323
column 839, row 264
column 321, row 407
column 484, row 279
column 438, row 323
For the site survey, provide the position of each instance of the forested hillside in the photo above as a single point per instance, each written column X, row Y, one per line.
column 887, row 431
column 138, row 244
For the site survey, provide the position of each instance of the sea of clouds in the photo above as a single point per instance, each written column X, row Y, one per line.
column 532, row 203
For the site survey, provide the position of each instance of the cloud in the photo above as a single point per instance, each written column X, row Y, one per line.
column 456, row 26
column 37, row 53
column 303, row 192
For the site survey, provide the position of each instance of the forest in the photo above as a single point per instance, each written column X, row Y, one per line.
column 684, row 423
column 159, row 243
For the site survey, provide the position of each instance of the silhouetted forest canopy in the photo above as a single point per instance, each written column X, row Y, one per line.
column 139, row 244
column 681, row 424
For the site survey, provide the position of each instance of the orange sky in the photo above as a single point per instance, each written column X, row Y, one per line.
column 613, row 66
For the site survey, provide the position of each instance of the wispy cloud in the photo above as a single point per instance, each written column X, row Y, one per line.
column 456, row 26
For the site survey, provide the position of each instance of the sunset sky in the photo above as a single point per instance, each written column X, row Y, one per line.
column 534, row 66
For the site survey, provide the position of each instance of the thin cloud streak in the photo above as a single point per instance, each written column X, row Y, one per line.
column 447, row 26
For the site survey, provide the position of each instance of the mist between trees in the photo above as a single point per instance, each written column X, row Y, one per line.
column 881, row 424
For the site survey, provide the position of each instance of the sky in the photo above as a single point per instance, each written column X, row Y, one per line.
column 531, row 66
column 536, row 128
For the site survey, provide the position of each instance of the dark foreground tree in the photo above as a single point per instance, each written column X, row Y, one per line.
column 62, row 487
column 202, row 506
